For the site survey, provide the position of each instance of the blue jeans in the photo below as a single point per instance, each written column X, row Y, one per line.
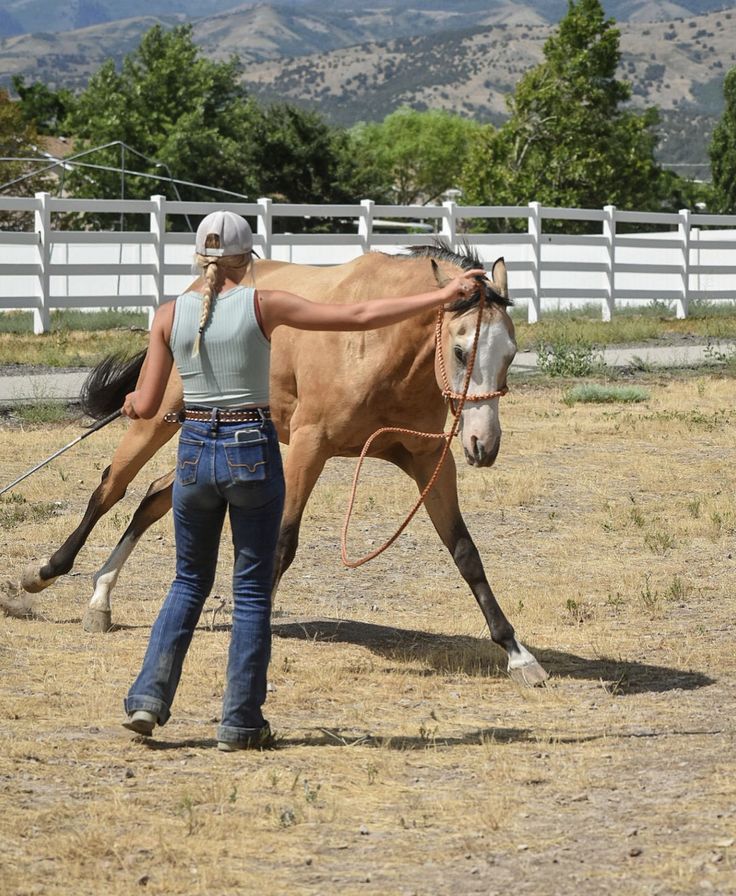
column 234, row 468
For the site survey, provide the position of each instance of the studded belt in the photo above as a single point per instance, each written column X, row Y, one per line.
column 219, row 415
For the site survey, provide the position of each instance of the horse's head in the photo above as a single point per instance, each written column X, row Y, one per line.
column 480, row 427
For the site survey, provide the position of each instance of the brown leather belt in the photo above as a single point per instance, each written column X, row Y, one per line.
column 219, row 415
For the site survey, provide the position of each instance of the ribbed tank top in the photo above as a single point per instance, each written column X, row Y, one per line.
column 232, row 366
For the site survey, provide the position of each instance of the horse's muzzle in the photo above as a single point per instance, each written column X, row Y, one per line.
column 481, row 454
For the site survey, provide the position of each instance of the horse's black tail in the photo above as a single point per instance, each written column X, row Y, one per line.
column 104, row 390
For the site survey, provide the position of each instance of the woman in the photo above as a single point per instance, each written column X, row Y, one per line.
column 218, row 335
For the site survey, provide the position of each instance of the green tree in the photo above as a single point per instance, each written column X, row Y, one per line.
column 569, row 141
column 300, row 158
column 414, row 156
column 185, row 116
column 47, row 109
column 19, row 141
column 723, row 151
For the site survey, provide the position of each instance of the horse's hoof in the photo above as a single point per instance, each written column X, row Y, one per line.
column 31, row 580
column 97, row 621
column 530, row 675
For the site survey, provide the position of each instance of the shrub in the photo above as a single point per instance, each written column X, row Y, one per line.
column 565, row 359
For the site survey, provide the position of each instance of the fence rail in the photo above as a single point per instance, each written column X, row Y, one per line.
column 688, row 257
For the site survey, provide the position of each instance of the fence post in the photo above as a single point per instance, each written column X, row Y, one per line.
column 535, row 234
column 449, row 223
column 683, row 228
column 609, row 239
column 158, row 230
column 42, row 224
column 365, row 224
column 695, row 248
column 265, row 224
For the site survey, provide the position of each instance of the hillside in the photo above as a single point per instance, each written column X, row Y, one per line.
column 672, row 64
column 362, row 63
column 676, row 66
column 49, row 16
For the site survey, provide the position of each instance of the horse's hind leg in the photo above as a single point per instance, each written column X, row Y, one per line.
column 157, row 503
column 444, row 511
column 35, row 578
column 138, row 445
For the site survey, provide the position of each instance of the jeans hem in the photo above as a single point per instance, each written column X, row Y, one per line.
column 135, row 702
column 252, row 737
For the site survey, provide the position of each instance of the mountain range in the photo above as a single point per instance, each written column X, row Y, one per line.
column 352, row 62
column 29, row 16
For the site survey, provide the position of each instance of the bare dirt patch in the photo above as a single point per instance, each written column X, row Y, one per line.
column 406, row 761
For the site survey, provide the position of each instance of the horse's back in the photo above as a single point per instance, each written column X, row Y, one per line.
column 368, row 276
column 346, row 385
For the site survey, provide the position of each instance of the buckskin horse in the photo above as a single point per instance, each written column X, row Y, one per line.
column 329, row 393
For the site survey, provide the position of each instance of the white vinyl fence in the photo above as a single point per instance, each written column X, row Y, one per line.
column 687, row 257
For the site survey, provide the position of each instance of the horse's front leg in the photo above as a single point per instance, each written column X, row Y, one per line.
column 444, row 511
column 156, row 504
column 304, row 464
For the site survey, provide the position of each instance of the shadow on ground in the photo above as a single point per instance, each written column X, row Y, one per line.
column 478, row 656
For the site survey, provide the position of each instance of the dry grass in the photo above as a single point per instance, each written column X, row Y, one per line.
column 406, row 761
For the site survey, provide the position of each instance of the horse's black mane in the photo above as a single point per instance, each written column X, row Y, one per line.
column 441, row 251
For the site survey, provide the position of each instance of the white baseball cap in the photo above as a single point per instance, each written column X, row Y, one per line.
column 236, row 237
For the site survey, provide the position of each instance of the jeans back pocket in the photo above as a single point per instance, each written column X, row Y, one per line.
column 247, row 456
column 187, row 460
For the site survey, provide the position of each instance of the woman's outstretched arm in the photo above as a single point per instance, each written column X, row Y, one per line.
column 284, row 308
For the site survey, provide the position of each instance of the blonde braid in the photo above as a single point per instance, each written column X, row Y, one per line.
column 213, row 271
column 211, row 276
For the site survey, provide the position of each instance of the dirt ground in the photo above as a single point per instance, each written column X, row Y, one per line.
column 406, row 761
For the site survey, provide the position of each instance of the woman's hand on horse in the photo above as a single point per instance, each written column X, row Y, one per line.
column 129, row 406
column 464, row 285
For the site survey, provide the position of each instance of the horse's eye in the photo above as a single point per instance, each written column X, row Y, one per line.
column 460, row 355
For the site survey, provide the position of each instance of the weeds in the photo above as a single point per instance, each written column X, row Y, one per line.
column 186, row 808
column 615, row 601
column 650, row 599
column 693, row 507
column 593, row 393
column 72, row 348
column 659, row 542
column 678, row 590
column 630, row 325
column 562, row 358
column 619, row 687
column 311, row 792
column 578, row 611
column 39, row 413
column 287, row 818
column 694, row 419
column 715, row 355
column 21, row 322
column 640, row 364
column 16, row 510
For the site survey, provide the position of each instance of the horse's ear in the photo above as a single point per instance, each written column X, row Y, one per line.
column 500, row 277
column 436, row 271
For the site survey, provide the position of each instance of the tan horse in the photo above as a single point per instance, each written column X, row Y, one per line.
column 329, row 393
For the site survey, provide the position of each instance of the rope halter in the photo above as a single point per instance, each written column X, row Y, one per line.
column 457, row 402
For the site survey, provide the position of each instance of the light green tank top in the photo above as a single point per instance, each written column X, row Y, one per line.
column 232, row 366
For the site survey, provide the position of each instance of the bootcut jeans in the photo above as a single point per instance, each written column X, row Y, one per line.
column 234, row 468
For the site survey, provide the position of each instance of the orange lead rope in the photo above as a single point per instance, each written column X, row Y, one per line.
column 452, row 397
